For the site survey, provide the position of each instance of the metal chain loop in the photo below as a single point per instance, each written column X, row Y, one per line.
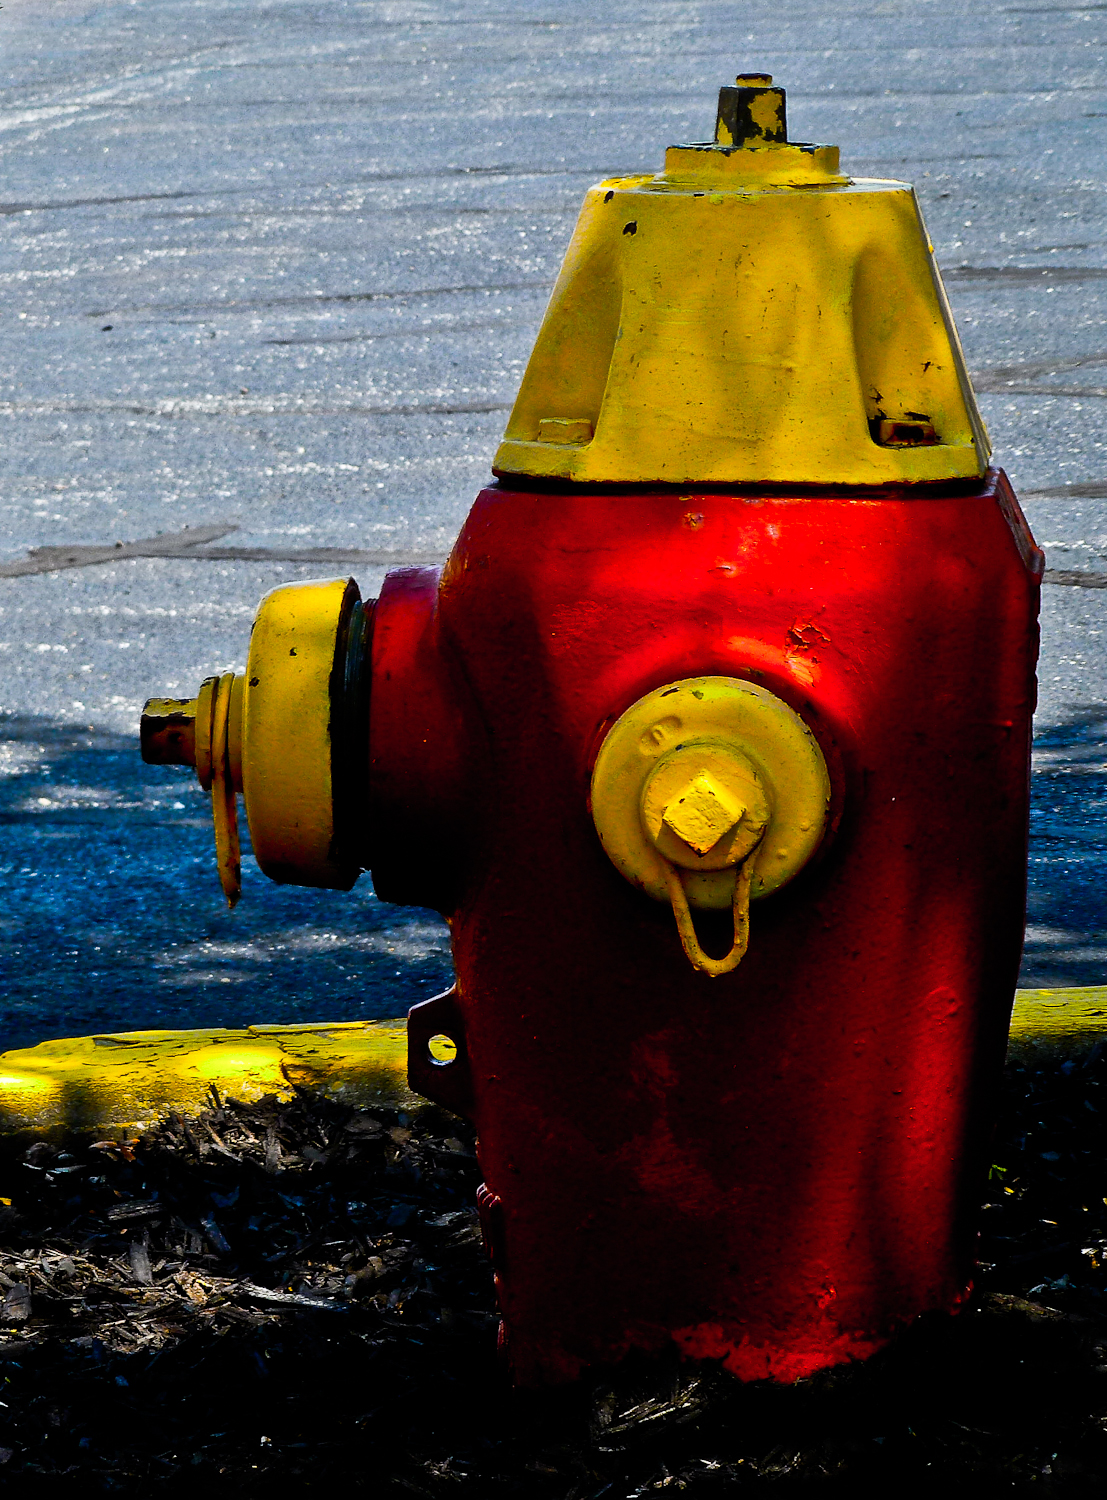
column 713, row 967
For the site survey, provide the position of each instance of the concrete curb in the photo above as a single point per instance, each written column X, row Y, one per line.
column 120, row 1083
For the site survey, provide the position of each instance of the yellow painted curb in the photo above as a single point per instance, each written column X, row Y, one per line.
column 122, row 1082
column 1057, row 1020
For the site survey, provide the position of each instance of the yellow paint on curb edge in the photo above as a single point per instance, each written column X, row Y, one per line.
column 1058, row 1020
column 119, row 1083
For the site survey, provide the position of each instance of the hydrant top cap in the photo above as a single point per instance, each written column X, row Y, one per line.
column 747, row 316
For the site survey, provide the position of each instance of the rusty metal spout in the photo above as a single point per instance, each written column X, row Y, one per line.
column 168, row 732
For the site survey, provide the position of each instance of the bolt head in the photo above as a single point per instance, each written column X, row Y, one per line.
column 702, row 811
column 704, row 806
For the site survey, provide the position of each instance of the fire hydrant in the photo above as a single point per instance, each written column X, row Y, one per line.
column 711, row 744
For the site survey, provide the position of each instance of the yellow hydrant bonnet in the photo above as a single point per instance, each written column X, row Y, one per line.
column 747, row 316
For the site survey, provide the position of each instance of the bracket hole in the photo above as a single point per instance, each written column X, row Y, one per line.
column 442, row 1050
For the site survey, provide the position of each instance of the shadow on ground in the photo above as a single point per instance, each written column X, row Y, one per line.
column 112, row 917
column 296, row 1293
column 1066, row 935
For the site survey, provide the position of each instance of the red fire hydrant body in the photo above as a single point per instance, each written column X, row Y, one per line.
column 776, row 1170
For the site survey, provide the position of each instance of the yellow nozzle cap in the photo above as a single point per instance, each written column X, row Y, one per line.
column 291, row 734
column 698, row 774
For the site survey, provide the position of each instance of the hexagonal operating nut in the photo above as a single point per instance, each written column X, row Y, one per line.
column 702, row 811
column 704, row 806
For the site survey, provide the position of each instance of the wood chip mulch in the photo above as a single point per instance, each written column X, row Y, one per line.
column 293, row 1298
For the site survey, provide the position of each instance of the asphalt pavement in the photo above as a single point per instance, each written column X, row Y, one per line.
column 271, row 272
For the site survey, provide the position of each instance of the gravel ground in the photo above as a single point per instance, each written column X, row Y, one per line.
column 298, row 1292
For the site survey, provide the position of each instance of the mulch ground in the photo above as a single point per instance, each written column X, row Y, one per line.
column 294, row 1297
